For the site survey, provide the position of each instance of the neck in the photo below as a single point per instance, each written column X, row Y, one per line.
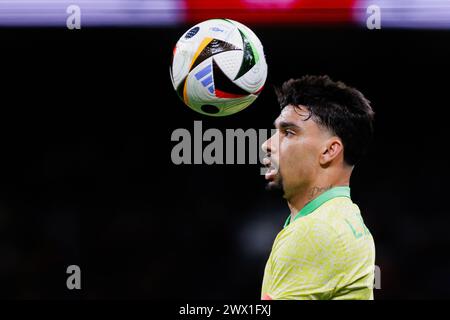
column 302, row 197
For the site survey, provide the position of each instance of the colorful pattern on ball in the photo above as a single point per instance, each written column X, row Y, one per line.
column 218, row 67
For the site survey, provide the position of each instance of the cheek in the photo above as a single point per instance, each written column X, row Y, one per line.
column 298, row 156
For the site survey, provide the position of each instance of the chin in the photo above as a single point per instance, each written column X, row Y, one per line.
column 274, row 185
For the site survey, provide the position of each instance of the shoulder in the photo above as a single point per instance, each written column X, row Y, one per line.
column 326, row 228
column 337, row 208
column 337, row 214
column 315, row 233
column 324, row 221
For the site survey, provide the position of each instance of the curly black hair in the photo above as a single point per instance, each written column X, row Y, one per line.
column 341, row 109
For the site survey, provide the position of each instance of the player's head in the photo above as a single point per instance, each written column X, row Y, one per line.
column 323, row 130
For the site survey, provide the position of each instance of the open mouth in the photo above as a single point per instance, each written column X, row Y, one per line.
column 272, row 169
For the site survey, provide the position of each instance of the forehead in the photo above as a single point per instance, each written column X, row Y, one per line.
column 299, row 115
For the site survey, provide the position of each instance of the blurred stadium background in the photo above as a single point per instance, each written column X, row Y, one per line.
column 86, row 176
column 396, row 13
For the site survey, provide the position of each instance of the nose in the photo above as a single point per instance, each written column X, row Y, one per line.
column 268, row 146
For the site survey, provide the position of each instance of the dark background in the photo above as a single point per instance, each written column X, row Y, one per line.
column 86, row 176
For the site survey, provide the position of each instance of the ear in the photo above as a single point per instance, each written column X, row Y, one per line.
column 333, row 149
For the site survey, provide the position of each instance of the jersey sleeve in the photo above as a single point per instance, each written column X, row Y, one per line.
column 308, row 268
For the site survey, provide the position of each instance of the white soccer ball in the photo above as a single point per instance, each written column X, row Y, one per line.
column 218, row 67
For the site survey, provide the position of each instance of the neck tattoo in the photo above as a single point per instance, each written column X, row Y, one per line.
column 315, row 191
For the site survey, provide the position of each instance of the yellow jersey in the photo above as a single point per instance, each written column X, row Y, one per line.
column 326, row 252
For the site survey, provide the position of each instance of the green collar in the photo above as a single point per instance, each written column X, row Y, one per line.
column 335, row 192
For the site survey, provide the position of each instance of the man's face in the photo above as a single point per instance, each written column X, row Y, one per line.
column 293, row 152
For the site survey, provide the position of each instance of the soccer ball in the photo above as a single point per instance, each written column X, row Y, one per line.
column 218, row 67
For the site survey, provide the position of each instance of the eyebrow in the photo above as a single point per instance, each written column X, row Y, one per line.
column 285, row 124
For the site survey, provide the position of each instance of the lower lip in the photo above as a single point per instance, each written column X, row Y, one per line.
column 270, row 175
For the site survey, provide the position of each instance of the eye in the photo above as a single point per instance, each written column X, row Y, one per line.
column 288, row 132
